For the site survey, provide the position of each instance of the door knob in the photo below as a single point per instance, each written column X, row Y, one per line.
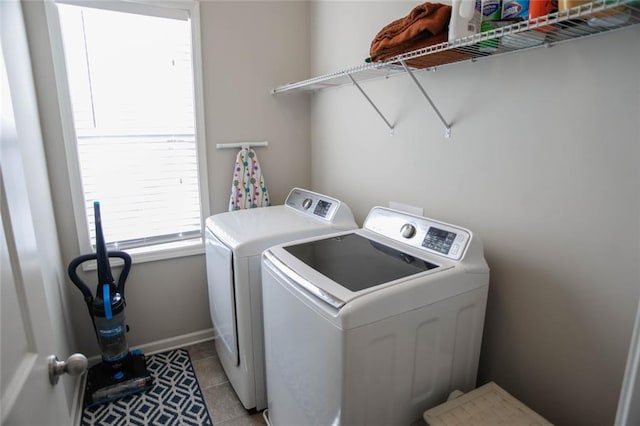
column 75, row 365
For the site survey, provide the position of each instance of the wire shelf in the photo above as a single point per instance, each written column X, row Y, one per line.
column 589, row 19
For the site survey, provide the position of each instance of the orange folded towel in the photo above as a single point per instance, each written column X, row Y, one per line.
column 423, row 26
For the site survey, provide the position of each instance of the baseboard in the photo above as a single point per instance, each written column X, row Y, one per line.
column 148, row 349
column 176, row 342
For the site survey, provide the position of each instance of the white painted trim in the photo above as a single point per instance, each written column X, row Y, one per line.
column 173, row 250
column 66, row 122
column 177, row 342
column 198, row 93
column 170, row 10
column 69, row 133
column 170, row 343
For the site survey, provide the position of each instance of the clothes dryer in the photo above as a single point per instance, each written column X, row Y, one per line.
column 372, row 326
column 234, row 242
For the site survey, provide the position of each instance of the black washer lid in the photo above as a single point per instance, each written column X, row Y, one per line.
column 357, row 263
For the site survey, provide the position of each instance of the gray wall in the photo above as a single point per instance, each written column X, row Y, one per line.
column 542, row 164
column 247, row 47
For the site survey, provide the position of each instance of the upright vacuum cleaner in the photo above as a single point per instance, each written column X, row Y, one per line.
column 122, row 372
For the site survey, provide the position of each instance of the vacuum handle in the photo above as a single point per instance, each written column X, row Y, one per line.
column 86, row 291
column 71, row 270
column 125, row 269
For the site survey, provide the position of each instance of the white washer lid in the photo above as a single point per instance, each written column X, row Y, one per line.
column 249, row 232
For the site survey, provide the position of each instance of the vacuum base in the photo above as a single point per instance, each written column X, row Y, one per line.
column 106, row 383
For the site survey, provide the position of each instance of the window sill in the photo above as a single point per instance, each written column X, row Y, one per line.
column 156, row 252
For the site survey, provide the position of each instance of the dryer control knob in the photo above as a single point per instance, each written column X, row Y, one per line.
column 408, row 230
column 307, row 203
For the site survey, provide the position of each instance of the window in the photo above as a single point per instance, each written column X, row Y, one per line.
column 136, row 145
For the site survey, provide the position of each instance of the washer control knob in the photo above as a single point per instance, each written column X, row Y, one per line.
column 307, row 203
column 408, row 230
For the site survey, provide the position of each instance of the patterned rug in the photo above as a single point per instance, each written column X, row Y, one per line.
column 174, row 399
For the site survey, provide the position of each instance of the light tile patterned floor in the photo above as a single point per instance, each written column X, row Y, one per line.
column 224, row 406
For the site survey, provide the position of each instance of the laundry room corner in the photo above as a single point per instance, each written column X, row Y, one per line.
column 537, row 164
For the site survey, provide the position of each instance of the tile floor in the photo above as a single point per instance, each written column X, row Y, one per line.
column 224, row 406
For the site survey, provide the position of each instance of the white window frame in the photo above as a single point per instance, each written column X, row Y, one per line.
column 178, row 9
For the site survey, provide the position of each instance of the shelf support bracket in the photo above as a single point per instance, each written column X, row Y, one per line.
column 447, row 126
column 389, row 125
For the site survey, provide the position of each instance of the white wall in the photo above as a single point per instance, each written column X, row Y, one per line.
column 247, row 49
column 542, row 164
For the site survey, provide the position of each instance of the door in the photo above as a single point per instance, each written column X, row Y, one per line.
column 27, row 396
column 222, row 302
column 629, row 403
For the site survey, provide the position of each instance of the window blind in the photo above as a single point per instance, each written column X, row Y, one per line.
column 131, row 85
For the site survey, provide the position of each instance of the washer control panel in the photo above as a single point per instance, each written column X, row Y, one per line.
column 313, row 204
column 441, row 240
column 420, row 232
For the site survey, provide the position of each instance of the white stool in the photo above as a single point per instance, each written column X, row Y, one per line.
column 487, row 405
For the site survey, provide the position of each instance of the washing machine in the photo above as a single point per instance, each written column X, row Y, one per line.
column 372, row 326
column 234, row 242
